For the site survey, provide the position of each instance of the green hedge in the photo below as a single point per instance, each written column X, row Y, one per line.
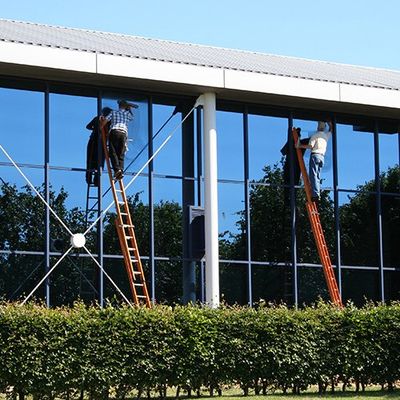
column 90, row 351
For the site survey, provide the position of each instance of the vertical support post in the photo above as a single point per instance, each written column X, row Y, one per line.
column 379, row 213
column 199, row 157
column 199, row 178
column 189, row 267
column 211, row 200
column 247, row 204
column 338, row 261
column 398, row 140
column 293, row 243
column 151, row 201
column 100, row 205
column 47, row 190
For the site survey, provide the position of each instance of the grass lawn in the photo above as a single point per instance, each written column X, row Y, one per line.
column 235, row 394
column 373, row 393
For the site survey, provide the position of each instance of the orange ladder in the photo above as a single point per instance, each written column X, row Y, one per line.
column 313, row 216
column 126, row 235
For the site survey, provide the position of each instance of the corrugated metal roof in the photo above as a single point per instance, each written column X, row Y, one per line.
column 185, row 53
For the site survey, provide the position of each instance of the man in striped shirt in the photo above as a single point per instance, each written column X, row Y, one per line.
column 118, row 135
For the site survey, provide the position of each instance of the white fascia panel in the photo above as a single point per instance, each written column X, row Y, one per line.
column 281, row 85
column 370, row 96
column 160, row 71
column 47, row 57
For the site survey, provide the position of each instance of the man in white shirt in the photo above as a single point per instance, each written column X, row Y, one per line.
column 318, row 143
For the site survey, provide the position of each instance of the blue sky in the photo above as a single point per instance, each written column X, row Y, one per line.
column 361, row 32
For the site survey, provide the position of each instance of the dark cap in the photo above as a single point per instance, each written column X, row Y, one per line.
column 126, row 104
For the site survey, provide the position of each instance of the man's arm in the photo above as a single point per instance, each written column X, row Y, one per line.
column 92, row 124
column 300, row 145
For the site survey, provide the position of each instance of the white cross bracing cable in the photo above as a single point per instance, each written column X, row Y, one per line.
column 45, row 277
column 36, row 191
column 66, row 228
column 100, row 216
column 141, row 169
column 108, row 276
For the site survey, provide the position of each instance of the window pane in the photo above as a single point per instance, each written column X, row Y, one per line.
column 169, row 160
column 231, row 223
column 272, row 283
column 21, row 211
column 269, row 222
column 22, row 133
column 73, row 276
column 312, row 285
column 233, row 283
column 360, row 286
column 168, row 281
column 359, row 238
column 392, row 285
column 230, row 145
column 115, row 268
column 355, row 156
column 69, row 116
column 391, row 230
column 19, row 274
column 168, row 217
column 388, row 151
column 267, row 136
column 389, row 163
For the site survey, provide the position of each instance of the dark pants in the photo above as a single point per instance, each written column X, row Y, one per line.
column 92, row 174
column 117, row 145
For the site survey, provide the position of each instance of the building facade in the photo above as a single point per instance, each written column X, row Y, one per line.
column 207, row 135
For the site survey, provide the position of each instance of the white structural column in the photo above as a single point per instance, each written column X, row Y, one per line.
column 211, row 200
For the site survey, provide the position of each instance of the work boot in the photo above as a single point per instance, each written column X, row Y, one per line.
column 118, row 175
column 315, row 199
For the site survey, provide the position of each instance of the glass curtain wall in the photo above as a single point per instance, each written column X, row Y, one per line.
column 267, row 252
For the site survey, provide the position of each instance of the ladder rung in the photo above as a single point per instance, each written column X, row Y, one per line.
column 138, row 284
column 123, row 213
column 126, row 226
column 131, row 248
column 141, row 296
column 137, row 273
column 121, row 202
column 119, row 190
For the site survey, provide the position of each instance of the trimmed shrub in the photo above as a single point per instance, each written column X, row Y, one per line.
column 86, row 350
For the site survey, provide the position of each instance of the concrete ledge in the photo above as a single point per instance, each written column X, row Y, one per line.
column 369, row 96
column 160, row 71
column 81, row 67
column 281, row 85
column 47, row 57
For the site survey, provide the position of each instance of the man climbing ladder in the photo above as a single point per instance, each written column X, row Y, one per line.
column 123, row 222
column 317, row 230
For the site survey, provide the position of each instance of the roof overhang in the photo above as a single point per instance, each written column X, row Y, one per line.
column 64, row 65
